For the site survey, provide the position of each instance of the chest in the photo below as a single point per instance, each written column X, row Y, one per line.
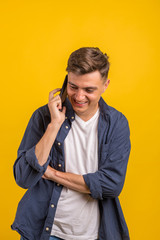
column 81, row 147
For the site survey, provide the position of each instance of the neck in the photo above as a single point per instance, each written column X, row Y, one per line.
column 86, row 116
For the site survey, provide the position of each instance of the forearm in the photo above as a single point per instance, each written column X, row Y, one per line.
column 44, row 146
column 70, row 180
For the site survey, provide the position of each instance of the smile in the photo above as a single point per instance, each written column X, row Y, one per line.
column 80, row 104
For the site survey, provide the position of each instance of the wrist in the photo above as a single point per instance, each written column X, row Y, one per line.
column 54, row 125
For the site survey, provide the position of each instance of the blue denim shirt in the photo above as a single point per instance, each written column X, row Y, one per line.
column 36, row 210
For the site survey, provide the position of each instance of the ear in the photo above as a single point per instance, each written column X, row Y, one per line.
column 106, row 84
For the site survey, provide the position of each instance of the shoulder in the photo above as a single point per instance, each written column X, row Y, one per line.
column 112, row 114
column 114, row 121
column 41, row 111
column 118, row 118
column 41, row 115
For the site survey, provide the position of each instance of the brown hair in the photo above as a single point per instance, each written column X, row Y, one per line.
column 88, row 59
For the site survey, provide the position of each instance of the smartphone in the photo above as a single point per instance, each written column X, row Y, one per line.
column 63, row 92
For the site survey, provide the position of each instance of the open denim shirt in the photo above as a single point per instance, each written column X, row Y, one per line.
column 36, row 210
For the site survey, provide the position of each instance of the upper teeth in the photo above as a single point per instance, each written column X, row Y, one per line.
column 80, row 102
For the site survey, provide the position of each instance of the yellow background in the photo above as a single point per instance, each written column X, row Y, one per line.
column 37, row 38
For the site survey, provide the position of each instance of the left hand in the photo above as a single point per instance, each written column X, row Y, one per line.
column 49, row 173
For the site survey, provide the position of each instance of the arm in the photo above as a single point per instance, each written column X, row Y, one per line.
column 33, row 153
column 43, row 147
column 70, row 180
column 108, row 181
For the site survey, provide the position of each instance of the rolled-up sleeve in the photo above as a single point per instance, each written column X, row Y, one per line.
column 33, row 161
column 27, row 170
column 108, row 181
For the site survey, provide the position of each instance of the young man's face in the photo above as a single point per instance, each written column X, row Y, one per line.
column 84, row 92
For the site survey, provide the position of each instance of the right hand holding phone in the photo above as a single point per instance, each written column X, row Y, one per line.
column 55, row 105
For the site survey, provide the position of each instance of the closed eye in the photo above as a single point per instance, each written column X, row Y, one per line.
column 73, row 87
column 89, row 90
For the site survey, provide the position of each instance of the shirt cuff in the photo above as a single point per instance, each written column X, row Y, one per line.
column 91, row 180
column 33, row 161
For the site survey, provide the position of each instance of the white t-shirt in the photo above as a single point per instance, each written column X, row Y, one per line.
column 77, row 214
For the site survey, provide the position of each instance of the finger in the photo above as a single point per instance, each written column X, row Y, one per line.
column 59, row 106
column 64, row 110
column 55, row 104
column 51, row 98
column 44, row 177
column 51, row 94
column 56, row 101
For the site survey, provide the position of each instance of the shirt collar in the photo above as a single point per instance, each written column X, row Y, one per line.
column 70, row 114
column 104, row 108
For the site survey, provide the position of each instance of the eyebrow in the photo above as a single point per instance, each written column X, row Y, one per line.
column 91, row 87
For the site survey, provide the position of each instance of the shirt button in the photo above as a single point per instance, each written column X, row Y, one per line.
column 66, row 127
column 66, row 117
column 47, row 229
column 59, row 165
column 58, row 184
column 52, row 205
column 59, row 143
column 72, row 117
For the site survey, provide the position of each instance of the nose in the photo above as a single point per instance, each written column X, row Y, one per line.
column 79, row 95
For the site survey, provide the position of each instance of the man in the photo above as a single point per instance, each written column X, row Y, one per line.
column 73, row 160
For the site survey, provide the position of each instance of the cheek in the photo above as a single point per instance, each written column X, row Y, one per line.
column 94, row 99
column 69, row 92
